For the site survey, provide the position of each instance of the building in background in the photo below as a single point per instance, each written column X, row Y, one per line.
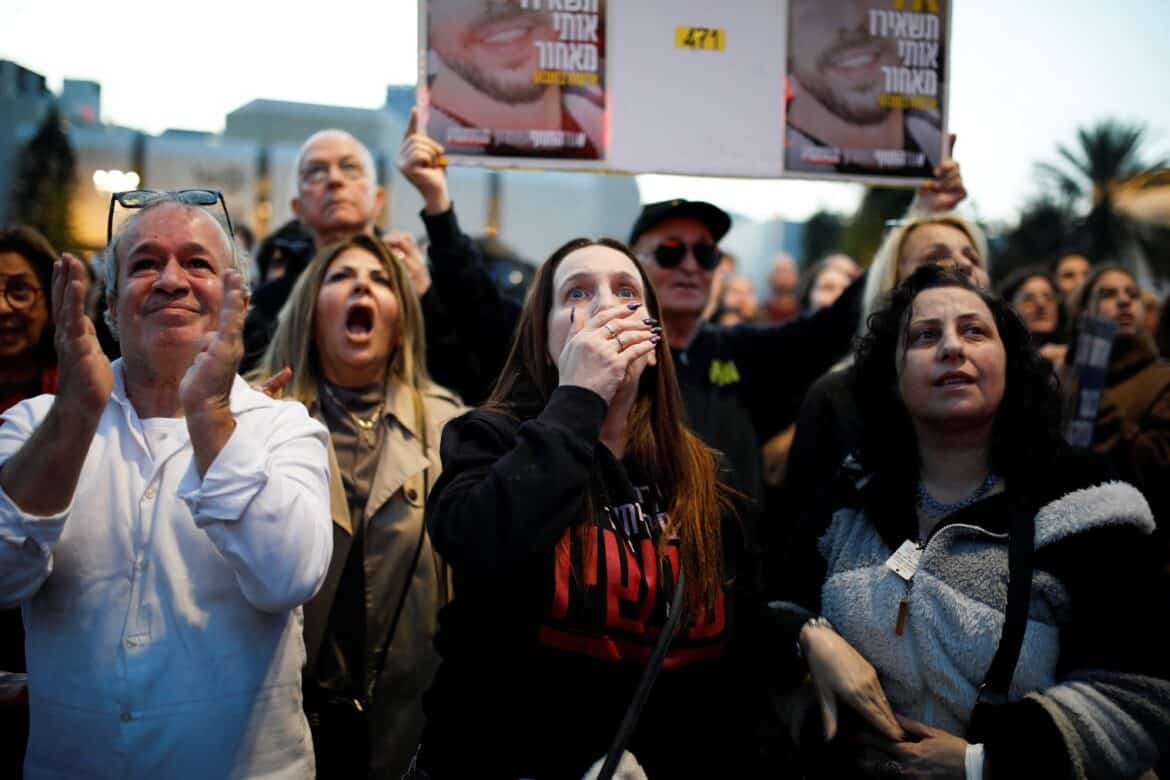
column 527, row 214
column 24, row 99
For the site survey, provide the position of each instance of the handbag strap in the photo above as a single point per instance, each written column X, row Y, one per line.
column 649, row 675
column 1021, row 546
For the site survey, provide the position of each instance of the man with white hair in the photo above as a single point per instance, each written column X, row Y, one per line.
column 161, row 522
column 338, row 196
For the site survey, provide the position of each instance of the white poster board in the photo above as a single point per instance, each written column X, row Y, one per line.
column 688, row 86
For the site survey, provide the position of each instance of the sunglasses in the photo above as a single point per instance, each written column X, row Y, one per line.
column 137, row 199
column 671, row 252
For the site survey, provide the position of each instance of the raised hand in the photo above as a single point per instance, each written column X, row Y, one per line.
column 841, row 675
column 403, row 247
column 84, row 376
column 207, row 384
column 946, row 191
column 421, row 161
column 612, row 346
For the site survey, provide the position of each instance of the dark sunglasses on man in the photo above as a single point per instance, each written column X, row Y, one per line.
column 137, row 199
column 671, row 252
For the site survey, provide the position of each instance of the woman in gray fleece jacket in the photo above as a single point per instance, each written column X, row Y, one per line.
column 899, row 575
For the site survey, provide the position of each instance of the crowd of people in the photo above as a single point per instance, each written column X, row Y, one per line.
column 365, row 516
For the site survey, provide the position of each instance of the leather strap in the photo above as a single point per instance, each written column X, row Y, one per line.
column 1021, row 546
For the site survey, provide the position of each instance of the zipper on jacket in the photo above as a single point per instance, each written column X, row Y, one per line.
column 904, row 604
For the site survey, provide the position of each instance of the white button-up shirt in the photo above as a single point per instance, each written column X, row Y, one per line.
column 162, row 611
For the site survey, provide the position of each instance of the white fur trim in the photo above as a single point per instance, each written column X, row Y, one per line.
column 1111, row 503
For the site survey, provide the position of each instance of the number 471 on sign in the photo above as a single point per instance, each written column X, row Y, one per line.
column 707, row 38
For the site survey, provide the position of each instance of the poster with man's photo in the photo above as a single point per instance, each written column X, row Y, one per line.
column 515, row 78
column 865, row 93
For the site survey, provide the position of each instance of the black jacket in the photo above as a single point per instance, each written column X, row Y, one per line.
column 739, row 383
column 547, row 636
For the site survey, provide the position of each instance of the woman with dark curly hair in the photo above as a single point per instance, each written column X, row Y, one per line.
column 910, row 564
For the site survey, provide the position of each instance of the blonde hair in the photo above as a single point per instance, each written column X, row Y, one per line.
column 294, row 343
column 883, row 271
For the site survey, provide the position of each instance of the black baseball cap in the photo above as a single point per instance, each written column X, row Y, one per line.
column 716, row 219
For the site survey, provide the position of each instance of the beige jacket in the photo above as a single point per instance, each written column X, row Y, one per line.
column 394, row 522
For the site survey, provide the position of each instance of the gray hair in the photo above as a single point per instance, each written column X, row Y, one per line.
column 241, row 262
column 366, row 155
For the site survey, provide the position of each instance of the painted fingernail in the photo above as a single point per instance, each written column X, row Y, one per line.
column 633, row 306
column 650, row 321
column 655, row 339
column 656, row 329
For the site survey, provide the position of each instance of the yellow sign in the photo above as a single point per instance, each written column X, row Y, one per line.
column 700, row 38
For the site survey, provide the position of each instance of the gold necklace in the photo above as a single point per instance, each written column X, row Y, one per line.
column 369, row 434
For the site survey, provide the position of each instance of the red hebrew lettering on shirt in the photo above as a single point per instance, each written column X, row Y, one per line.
column 610, row 600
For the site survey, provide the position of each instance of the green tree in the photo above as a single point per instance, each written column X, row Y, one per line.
column 1106, row 168
column 866, row 229
column 822, row 236
column 43, row 185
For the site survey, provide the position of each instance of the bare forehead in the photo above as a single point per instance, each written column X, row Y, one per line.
column 936, row 233
column 948, row 302
column 331, row 145
column 1116, row 279
column 598, row 262
column 178, row 224
column 357, row 257
column 1035, row 283
column 13, row 263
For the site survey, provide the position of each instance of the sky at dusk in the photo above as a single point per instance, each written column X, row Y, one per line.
column 1025, row 75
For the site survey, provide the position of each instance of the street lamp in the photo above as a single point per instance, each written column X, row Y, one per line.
column 115, row 180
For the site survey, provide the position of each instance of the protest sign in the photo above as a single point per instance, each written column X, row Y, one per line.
column 866, row 88
column 853, row 90
column 516, row 79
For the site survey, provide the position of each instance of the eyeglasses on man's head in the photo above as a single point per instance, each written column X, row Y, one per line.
column 139, row 199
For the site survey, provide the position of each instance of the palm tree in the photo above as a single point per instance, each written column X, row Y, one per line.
column 1106, row 181
column 1046, row 228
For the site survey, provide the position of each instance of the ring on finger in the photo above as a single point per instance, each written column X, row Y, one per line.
column 612, row 333
column 618, row 338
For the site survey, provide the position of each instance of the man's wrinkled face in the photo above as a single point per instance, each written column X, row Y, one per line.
column 170, row 284
column 837, row 61
column 491, row 44
column 337, row 194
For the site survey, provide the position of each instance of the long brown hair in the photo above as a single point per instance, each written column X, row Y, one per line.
column 294, row 344
column 682, row 468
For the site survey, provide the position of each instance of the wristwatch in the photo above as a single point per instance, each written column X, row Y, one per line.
column 813, row 622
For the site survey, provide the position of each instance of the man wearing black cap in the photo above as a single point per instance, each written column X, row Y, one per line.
column 735, row 380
